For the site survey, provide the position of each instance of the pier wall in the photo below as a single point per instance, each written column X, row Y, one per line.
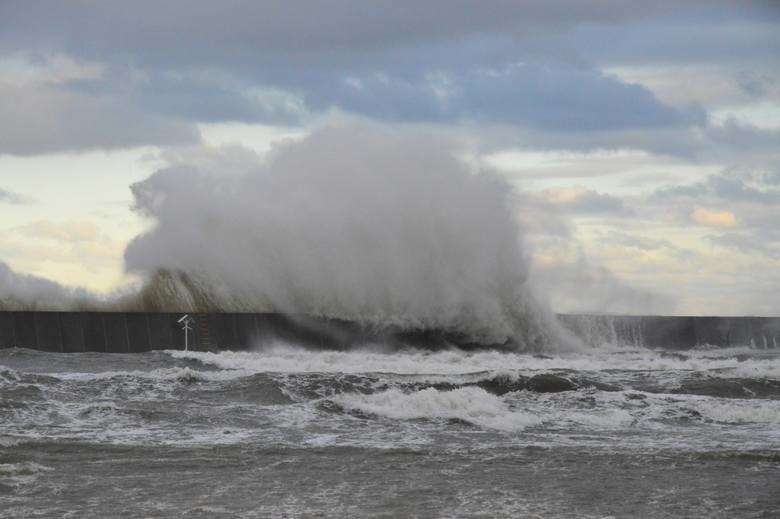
column 115, row 332
column 132, row 332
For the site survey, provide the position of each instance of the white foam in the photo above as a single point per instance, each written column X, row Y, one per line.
column 282, row 359
column 289, row 359
column 6, row 441
column 600, row 419
column 8, row 376
column 636, row 410
column 470, row 404
column 733, row 411
column 180, row 374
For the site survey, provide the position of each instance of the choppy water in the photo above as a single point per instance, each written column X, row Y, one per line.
column 286, row 432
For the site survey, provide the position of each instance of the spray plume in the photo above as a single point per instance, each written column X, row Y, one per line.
column 380, row 226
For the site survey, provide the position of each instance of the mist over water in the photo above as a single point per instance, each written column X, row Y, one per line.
column 362, row 223
column 26, row 292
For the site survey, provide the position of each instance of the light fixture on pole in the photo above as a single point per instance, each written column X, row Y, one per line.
column 185, row 321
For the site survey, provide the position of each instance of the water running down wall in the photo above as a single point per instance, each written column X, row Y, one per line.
column 127, row 332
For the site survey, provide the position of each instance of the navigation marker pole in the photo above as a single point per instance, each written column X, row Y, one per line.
column 185, row 321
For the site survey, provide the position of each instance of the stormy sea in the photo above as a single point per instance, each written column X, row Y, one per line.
column 517, row 417
column 285, row 431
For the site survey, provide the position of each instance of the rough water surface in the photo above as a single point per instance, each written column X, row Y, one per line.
column 290, row 432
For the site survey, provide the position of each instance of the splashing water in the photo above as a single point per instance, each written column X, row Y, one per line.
column 359, row 223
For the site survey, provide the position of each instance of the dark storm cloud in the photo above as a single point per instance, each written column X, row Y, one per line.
column 555, row 97
column 732, row 185
column 729, row 143
column 187, row 98
column 525, row 65
column 549, row 97
column 176, row 32
column 684, row 41
column 36, row 120
column 733, row 135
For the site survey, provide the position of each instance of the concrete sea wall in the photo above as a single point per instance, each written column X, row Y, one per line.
column 676, row 333
column 130, row 332
column 138, row 332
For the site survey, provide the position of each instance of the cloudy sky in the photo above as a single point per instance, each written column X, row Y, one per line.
column 643, row 138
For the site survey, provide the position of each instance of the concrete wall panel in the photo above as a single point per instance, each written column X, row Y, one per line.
column 138, row 332
column 246, row 329
column 24, row 330
column 676, row 333
column 7, row 334
column 223, row 328
column 47, row 330
column 94, row 332
column 117, row 340
column 72, row 330
column 161, row 332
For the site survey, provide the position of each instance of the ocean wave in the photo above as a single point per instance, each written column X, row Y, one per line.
column 469, row 404
column 729, row 387
column 726, row 411
column 611, row 368
column 182, row 375
column 9, row 376
column 330, row 241
column 23, row 468
column 287, row 359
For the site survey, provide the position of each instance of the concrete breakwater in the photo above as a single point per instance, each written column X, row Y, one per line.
column 129, row 332
column 675, row 332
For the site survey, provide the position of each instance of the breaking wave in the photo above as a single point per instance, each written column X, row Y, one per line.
column 364, row 224
column 469, row 404
column 374, row 225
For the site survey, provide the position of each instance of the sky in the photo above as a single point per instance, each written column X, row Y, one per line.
column 641, row 139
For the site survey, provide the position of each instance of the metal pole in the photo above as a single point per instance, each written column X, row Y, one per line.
column 185, row 325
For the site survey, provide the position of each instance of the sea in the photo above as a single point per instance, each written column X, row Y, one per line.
column 285, row 431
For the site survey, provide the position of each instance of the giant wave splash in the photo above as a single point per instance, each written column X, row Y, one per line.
column 382, row 227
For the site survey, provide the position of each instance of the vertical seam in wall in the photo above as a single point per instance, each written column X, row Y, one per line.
column 59, row 328
column 35, row 330
column 257, row 328
column 82, row 321
column 13, row 328
column 127, row 332
column 81, row 345
column 148, row 333
column 105, row 337
column 234, row 320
